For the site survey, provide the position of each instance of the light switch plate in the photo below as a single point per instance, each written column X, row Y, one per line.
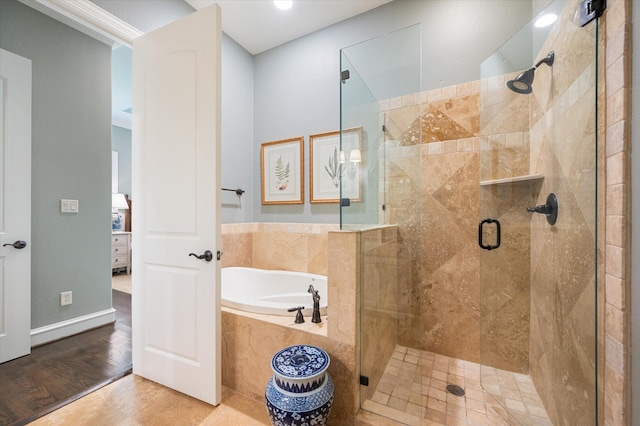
column 68, row 206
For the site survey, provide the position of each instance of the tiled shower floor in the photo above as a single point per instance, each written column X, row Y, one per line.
column 413, row 391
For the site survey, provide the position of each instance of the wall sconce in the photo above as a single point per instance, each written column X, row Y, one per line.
column 354, row 156
column 118, row 202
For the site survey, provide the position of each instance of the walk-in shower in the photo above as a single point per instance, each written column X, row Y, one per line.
column 457, row 331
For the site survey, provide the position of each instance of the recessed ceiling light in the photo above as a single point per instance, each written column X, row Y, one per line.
column 283, row 4
column 546, row 20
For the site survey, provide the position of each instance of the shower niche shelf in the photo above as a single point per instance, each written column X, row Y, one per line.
column 525, row 178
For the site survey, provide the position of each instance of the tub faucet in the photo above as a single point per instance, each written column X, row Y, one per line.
column 299, row 316
column 315, row 317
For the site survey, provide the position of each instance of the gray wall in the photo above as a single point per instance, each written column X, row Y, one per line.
column 121, row 143
column 635, row 220
column 296, row 84
column 238, row 170
column 293, row 90
column 71, row 158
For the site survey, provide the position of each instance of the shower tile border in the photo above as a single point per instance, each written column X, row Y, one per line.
column 617, row 259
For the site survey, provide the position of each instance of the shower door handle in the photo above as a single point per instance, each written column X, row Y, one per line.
column 480, row 228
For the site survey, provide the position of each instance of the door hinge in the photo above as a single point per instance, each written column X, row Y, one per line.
column 218, row 255
column 364, row 380
column 344, row 76
column 590, row 10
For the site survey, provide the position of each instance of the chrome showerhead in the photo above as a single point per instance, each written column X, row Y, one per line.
column 522, row 83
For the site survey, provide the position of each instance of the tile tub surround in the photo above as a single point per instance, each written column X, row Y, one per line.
column 249, row 341
column 249, row 344
column 302, row 247
column 299, row 247
column 338, row 334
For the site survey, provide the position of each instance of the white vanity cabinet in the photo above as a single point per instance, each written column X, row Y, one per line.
column 121, row 251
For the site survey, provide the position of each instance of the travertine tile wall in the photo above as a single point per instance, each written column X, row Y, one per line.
column 454, row 149
column 563, row 261
column 616, row 81
column 440, row 146
column 248, row 343
column 379, row 313
column 614, row 178
column 372, row 252
column 299, row 247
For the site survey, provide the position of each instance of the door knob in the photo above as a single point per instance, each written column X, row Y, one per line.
column 18, row 244
column 207, row 255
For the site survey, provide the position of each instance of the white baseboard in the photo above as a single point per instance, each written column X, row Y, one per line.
column 60, row 330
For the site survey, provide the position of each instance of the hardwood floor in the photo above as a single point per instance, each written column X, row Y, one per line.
column 63, row 371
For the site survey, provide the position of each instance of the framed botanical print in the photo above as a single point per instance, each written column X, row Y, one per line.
column 283, row 171
column 329, row 165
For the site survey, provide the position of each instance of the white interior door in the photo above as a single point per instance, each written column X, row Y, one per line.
column 176, row 174
column 15, row 206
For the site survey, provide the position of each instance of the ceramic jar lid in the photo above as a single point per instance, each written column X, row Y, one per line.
column 300, row 362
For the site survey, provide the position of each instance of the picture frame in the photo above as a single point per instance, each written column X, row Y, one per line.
column 282, row 165
column 328, row 165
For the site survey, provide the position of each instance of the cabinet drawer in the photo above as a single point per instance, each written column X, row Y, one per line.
column 119, row 259
column 119, row 239
column 119, row 249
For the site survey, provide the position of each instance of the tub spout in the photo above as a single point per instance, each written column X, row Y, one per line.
column 315, row 317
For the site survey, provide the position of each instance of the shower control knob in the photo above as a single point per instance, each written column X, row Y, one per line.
column 550, row 209
column 543, row 208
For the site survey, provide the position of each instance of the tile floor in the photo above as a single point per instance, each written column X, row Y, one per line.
column 413, row 391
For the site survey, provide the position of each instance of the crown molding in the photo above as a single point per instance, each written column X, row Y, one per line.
column 88, row 18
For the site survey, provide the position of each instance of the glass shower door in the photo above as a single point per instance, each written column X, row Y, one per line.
column 380, row 77
column 538, row 268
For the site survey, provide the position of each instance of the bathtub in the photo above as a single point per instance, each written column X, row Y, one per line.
column 268, row 292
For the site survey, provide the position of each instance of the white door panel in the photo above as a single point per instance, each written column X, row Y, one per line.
column 15, row 205
column 176, row 152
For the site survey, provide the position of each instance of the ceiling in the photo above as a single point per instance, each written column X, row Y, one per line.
column 257, row 25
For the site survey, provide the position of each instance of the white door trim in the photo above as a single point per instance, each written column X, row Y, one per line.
column 89, row 19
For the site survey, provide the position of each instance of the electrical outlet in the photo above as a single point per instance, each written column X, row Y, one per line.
column 65, row 298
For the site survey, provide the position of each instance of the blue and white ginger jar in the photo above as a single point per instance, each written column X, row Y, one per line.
column 300, row 391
